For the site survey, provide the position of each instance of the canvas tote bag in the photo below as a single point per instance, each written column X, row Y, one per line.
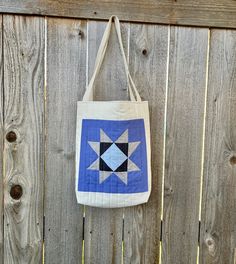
column 113, row 157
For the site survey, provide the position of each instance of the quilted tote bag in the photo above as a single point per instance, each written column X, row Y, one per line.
column 113, row 161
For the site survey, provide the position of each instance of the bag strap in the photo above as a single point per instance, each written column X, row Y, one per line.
column 88, row 96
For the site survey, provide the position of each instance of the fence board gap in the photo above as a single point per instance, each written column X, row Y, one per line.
column 1, row 142
column 185, row 112
column 23, row 155
column 103, row 227
column 218, row 235
column 148, row 59
column 66, row 71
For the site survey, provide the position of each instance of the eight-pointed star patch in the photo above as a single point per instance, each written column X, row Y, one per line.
column 113, row 157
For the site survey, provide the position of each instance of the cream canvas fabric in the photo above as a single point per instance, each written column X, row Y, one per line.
column 113, row 156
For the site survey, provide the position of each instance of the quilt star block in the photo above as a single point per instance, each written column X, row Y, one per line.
column 113, row 156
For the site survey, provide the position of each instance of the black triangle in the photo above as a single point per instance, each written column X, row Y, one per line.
column 103, row 166
column 104, row 146
column 123, row 147
column 123, row 166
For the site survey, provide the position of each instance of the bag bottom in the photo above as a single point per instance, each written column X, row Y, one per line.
column 105, row 200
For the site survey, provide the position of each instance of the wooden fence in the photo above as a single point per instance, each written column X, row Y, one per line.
column 188, row 75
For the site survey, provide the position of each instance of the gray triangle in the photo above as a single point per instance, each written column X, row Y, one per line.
column 103, row 175
column 95, row 146
column 132, row 166
column 94, row 165
column 123, row 138
column 132, row 147
column 123, row 176
column 104, row 137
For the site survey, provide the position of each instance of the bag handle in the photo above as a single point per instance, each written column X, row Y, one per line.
column 88, row 96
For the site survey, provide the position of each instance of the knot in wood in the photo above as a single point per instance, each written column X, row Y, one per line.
column 144, row 51
column 168, row 191
column 209, row 242
column 16, row 192
column 232, row 160
column 81, row 33
column 211, row 245
column 11, row 136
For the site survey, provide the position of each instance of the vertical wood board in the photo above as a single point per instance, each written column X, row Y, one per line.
column 66, row 71
column 148, row 62
column 103, row 227
column 218, row 229
column 184, row 135
column 23, row 39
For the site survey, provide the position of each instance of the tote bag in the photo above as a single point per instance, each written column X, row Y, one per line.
column 113, row 156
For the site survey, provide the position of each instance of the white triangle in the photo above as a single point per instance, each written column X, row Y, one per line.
column 104, row 137
column 123, row 138
column 132, row 166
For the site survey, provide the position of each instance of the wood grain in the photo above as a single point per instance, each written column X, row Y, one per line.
column 218, row 232
column 1, row 144
column 210, row 13
column 70, row 60
column 23, row 39
column 103, row 227
column 184, row 134
column 148, row 62
column 66, row 75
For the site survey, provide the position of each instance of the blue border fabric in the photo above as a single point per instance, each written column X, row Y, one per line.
column 137, row 180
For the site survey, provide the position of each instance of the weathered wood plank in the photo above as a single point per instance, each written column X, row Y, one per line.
column 66, row 76
column 209, row 13
column 103, row 227
column 184, row 134
column 23, row 39
column 218, row 228
column 148, row 62
column 1, row 145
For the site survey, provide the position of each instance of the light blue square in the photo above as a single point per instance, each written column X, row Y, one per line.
column 113, row 157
